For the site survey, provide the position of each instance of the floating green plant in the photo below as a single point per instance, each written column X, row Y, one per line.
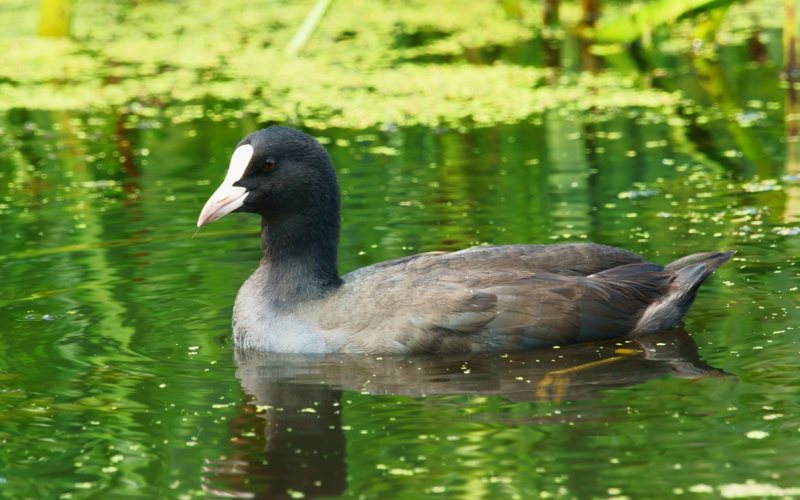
column 350, row 73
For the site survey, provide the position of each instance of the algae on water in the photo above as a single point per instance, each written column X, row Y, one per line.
column 368, row 63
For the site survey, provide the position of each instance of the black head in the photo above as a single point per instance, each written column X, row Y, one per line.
column 277, row 172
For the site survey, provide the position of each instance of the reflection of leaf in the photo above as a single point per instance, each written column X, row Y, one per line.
column 86, row 246
column 633, row 25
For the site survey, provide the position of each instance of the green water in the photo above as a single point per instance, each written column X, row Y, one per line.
column 118, row 377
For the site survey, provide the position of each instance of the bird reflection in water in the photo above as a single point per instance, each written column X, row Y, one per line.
column 297, row 399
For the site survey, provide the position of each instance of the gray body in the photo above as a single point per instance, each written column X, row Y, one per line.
column 478, row 299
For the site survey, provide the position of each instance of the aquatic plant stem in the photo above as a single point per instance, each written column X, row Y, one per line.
column 55, row 18
column 307, row 28
column 791, row 72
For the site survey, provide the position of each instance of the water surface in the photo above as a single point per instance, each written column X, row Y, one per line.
column 117, row 374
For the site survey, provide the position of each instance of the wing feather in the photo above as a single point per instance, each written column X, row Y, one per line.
column 509, row 297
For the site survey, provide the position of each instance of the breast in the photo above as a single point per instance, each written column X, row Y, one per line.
column 257, row 325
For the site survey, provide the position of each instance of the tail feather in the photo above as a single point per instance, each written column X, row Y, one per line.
column 712, row 259
column 689, row 273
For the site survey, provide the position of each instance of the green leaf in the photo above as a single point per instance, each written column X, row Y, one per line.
column 645, row 17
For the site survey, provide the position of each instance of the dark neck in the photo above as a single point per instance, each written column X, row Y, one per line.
column 299, row 256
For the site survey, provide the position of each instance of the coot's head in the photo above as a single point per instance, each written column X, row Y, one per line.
column 276, row 172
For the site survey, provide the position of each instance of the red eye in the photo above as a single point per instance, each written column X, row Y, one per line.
column 269, row 164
